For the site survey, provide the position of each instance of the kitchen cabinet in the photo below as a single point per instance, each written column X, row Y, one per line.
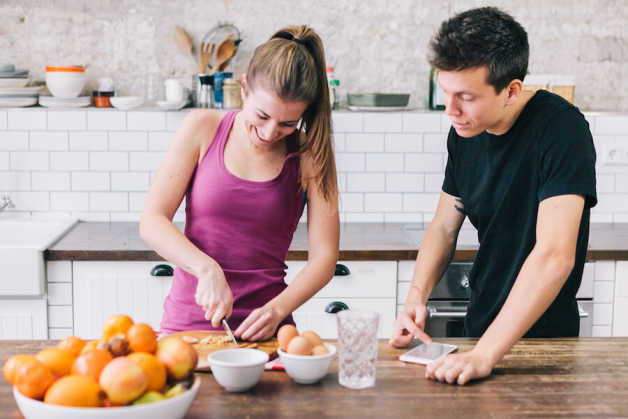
column 368, row 285
column 620, row 312
column 23, row 319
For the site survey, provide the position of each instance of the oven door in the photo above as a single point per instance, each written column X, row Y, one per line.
column 446, row 318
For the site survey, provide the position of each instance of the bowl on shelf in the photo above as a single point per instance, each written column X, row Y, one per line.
column 307, row 369
column 65, row 82
column 126, row 102
column 237, row 369
column 378, row 99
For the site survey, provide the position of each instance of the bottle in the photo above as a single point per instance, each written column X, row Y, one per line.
column 205, row 94
column 334, row 97
column 436, row 99
column 231, row 97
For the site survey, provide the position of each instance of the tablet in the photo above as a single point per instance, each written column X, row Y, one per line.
column 427, row 352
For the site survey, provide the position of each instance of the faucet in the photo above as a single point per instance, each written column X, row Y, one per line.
column 5, row 202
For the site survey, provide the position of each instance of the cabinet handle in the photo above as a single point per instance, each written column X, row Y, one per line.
column 162, row 270
column 335, row 307
column 341, row 270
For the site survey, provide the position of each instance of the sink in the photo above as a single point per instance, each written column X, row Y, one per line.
column 22, row 245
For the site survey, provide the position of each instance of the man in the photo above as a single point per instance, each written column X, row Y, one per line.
column 521, row 166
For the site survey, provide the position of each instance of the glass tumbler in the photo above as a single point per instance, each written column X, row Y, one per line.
column 357, row 343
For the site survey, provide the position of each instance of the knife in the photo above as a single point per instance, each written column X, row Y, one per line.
column 225, row 326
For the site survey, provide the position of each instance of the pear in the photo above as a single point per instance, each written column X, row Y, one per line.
column 150, row 397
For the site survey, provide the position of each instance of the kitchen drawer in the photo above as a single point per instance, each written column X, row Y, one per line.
column 312, row 316
column 366, row 280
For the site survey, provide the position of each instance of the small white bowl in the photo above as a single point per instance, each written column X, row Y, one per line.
column 175, row 407
column 307, row 369
column 65, row 82
column 126, row 102
column 237, row 369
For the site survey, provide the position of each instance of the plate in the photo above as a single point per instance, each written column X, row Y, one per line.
column 57, row 102
column 17, row 102
column 20, row 90
column 126, row 102
column 378, row 108
column 171, row 106
column 13, row 82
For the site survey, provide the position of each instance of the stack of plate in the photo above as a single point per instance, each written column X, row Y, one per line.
column 12, row 77
column 19, row 96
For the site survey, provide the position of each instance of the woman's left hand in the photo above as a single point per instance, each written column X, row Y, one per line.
column 459, row 368
column 259, row 325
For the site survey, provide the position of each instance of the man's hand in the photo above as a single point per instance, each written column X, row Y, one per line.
column 408, row 325
column 459, row 368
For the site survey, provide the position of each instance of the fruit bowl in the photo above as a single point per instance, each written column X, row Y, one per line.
column 171, row 408
column 307, row 369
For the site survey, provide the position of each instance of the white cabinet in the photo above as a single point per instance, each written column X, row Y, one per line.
column 369, row 285
column 23, row 319
column 620, row 312
column 102, row 289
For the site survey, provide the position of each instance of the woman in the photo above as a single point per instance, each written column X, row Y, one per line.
column 246, row 177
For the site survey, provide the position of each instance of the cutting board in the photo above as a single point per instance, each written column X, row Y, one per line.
column 203, row 349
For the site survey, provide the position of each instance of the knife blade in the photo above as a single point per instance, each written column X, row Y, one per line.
column 225, row 326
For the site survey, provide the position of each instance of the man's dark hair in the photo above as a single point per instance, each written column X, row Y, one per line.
column 482, row 37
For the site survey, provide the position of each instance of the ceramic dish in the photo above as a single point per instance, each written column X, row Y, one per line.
column 18, row 73
column 171, row 106
column 17, row 102
column 13, row 82
column 34, row 90
column 65, row 82
column 237, row 369
column 57, row 102
column 126, row 102
column 307, row 369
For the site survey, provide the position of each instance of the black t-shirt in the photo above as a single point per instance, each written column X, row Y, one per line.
column 500, row 180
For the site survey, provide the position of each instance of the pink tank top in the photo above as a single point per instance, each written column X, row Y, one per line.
column 246, row 226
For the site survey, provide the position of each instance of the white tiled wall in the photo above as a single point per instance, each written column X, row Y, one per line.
column 97, row 164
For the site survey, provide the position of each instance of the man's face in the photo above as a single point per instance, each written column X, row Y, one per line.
column 471, row 103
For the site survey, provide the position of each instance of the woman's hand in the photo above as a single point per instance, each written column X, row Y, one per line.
column 410, row 324
column 459, row 368
column 214, row 295
column 260, row 324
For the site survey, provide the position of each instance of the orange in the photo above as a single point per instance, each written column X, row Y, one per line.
column 92, row 344
column 33, row 378
column 59, row 361
column 13, row 364
column 142, row 338
column 74, row 390
column 154, row 370
column 91, row 363
column 72, row 344
column 115, row 325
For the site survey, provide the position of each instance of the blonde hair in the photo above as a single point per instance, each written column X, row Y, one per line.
column 292, row 64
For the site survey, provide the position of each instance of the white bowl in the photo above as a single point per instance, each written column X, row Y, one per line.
column 126, row 102
column 172, row 408
column 237, row 369
column 307, row 369
column 65, row 84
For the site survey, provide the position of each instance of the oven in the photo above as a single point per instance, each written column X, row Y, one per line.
column 447, row 305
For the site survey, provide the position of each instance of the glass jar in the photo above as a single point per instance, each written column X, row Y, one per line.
column 231, row 96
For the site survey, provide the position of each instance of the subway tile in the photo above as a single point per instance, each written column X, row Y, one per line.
column 146, row 121
column 69, row 160
column 69, row 201
column 129, row 217
column 423, row 162
column 88, row 141
column 129, row 181
column 421, row 122
column 109, row 161
column 3, row 120
column 445, row 123
column 350, row 162
column 602, row 314
column 128, row 141
column 60, row 294
column 617, row 202
column 145, row 161
column 603, row 291
column 174, row 119
column 382, row 202
column 611, row 125
column 403, row 217
column 339, row 142
column 434, row 182
column 4, row 160
column 366, row 182
column 403, row 143
column 13, row 140
column 109, row 201
column 51, row 181
column 435, row 143
column 90, row 181
column 67, row 120
column 59, row 316
column 159, row 141
column 404, row 182
column 346, row 122
column 351, row 202
column 31, row 201
column 420, row 202
column 26, row 119
column 46, row 140
column 15, row 181
column 382, row 122
column 363, row 218
column 364, row 142
column 106, row 120
column 136, row 201
column 384, row 162
column 29, row 160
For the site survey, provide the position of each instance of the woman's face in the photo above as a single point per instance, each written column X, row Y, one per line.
column 268, row 118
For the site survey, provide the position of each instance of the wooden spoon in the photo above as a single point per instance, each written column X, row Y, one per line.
column 184, row 41
column 225, row 51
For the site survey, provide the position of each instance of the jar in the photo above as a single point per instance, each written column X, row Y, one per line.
column 232, row 98
column 101, row 98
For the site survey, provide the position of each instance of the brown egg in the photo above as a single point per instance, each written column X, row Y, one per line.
column 300, row 346
column 314, row 339
column 320, row 350
column 285, row 335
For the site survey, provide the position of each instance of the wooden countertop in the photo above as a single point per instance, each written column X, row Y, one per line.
column 120, row 241
column 585, row 377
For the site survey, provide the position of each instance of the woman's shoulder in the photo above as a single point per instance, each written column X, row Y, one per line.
column 200, row 125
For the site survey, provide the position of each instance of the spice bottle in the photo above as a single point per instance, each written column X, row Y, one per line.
column 104, row 93
column 334, row 96
column 231, row 96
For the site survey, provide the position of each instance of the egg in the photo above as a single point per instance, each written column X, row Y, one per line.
column 314, row 339
column 300, row 346
column 320, row 350
column 285, row 335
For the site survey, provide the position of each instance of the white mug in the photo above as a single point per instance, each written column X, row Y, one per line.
column 174, row 90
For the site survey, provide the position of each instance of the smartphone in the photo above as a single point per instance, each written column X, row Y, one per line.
column 427, row 352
